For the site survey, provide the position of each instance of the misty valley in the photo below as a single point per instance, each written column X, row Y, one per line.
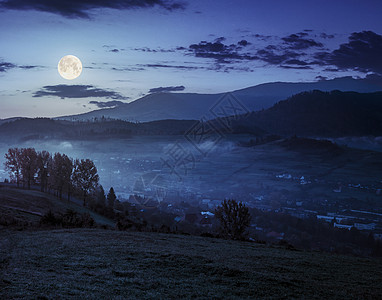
column 183, row 170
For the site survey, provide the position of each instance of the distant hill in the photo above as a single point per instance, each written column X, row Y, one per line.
column 3, row 121
column 309, row 114
column 25, row 129
column 322, row 114
column 188, row 106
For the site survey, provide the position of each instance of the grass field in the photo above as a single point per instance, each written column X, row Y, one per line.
column 104, row 264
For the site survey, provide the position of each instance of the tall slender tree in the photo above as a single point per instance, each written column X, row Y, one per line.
column 13, row 164
column 111, row 197
column 29, row 166
column 61, row 173
column 101, row 198
column 44, row 160
column 85, row 177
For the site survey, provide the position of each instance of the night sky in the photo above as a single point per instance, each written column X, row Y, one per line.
column 132, row 48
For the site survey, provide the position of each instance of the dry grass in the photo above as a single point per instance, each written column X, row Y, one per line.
column 110, row 264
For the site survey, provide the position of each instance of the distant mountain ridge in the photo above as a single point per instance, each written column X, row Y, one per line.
column 308, row 114
column 192, row 106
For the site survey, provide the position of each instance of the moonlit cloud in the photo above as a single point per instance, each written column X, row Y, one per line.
column 299, row 42
column 107, row 104
column 5, row 66
column 167, row 89
column 362, row 53
column 76, row 91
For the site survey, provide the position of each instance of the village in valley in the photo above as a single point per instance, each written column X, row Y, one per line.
column 342, row 205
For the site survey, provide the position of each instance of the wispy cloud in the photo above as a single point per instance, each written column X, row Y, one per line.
column 6, row 66
column 154, row 50
column 166, row 66
column 167, row 89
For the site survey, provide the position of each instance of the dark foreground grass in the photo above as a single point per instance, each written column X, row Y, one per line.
column 85, row 263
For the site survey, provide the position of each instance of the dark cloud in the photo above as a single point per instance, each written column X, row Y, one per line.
column 362, row 53
column 129, row 69
column 298, row 42
column 274, row 58
column 114, row 50
column 296, row 62
column 76, row 91
column 243, row 43
column 321, row 78
column 326, row 36
column 5, row 66
column 167, row 89
column 226, row 69
column 29, row 67
column 296, row 67
column 107, row 104
column 261, row 36
column 219, row 51
column 81, row 8
column 286, row 53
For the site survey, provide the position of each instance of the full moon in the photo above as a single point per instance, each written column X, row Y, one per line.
column 70, row 67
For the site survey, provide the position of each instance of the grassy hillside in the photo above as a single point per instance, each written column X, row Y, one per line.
column 96, row 263
column 111, row 264
column 22, row 208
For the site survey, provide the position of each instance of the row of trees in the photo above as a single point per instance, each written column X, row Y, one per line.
column 57, row 172
column 62, row 174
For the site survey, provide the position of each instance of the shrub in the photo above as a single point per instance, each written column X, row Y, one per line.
column 69, row 219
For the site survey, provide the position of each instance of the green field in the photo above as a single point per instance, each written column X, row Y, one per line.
column 104, row 264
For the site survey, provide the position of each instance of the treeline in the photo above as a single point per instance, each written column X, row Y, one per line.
column 325, row 114
column 42, row 128
column 55, row 173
